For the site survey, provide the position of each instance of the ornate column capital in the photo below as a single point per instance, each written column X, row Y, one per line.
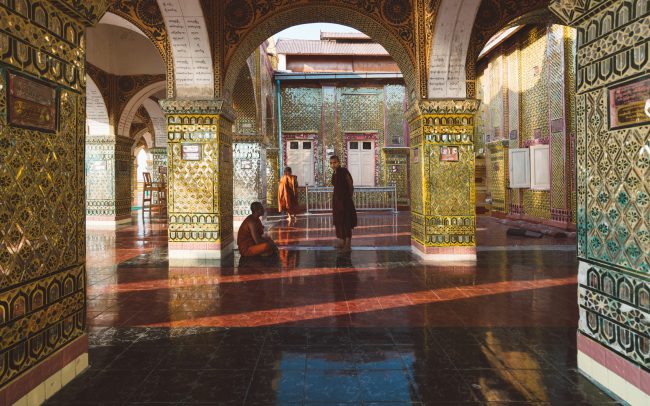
column 574, row 12
column 443, row 106
column 189, row 106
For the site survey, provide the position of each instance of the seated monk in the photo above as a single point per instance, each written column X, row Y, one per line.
column 251, row 239
column 288, row 194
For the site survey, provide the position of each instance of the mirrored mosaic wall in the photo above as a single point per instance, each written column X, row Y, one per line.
column 525, row 86
column 613, row 175
column 248, row 177
column 331, row 114
column 42, row 233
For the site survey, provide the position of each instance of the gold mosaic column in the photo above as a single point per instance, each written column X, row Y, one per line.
column 199, row 166
column 443, row 216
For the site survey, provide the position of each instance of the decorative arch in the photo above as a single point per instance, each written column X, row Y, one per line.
column 449, row 48
column 245, row 103
column 132, row 106
column 97, row 121
column 191, row 52
column 145, row 136
column 305, row 13
column 157, row 117
column 492, row 16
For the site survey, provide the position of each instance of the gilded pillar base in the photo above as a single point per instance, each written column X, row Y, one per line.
column 443, row 253
column 443, row 213
column 200, row 186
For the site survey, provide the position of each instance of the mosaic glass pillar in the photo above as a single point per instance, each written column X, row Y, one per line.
column 42, row 189
column 200, row 186
column 443, row 218
column 248, row 177
column 108, row 181
column 159, row 156
column 613, row 194
column 272, row 177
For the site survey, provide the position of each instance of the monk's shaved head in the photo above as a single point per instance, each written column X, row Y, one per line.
column 255, row 206
column 287, row 169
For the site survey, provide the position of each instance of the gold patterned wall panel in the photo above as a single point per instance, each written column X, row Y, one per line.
column 395, row 99
column 397, row 172
column 497, row 161
column 534, row 85
column 42, row 230
column 57, row 58
column 529, row 90
column 194, row 182
column 330, row 115
column 301, row 109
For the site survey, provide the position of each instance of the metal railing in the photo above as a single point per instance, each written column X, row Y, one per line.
column 319, row 198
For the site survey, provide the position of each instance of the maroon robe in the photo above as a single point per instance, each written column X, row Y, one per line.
column 344, row 213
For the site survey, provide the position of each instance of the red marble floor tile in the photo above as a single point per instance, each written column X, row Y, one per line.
column 130, row 283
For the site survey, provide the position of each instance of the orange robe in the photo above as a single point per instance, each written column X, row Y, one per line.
column 245, row 241
column 288, row 194
column 343, row 211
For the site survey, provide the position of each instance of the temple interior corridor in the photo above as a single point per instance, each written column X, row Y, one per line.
column 314, row 327
column 485, row 165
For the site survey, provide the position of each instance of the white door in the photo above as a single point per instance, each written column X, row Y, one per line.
column 300, row 157
column 361, row 162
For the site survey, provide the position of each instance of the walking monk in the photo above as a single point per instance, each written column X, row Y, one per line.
column 344, row 213
column 251, row 239
column 288, row 194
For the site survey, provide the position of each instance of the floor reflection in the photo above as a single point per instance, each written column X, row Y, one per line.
column 314, row 327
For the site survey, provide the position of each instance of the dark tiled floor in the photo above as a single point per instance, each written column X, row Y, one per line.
column 376, row 327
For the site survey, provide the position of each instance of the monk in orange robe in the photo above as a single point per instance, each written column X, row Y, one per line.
column 343, row 211
column 288, row 194
column 251, row 239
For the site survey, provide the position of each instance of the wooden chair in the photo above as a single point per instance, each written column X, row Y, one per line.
column 147, row 190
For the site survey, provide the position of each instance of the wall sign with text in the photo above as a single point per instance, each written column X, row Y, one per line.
column 628, row 103
column 191, row 152
column 449, row 153
column 32, row 104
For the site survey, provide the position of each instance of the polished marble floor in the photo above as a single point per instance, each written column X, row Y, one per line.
column 311, row 327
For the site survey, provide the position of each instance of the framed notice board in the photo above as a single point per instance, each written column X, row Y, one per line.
column 32, row 103
column 191, row 152
column 629, row 103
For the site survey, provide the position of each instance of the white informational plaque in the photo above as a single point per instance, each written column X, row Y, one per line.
column 540, row 169
column 519, row 168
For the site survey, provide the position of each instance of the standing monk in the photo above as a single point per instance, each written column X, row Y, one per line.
column 344, row 213
column 251, row 239
column 288, row 194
